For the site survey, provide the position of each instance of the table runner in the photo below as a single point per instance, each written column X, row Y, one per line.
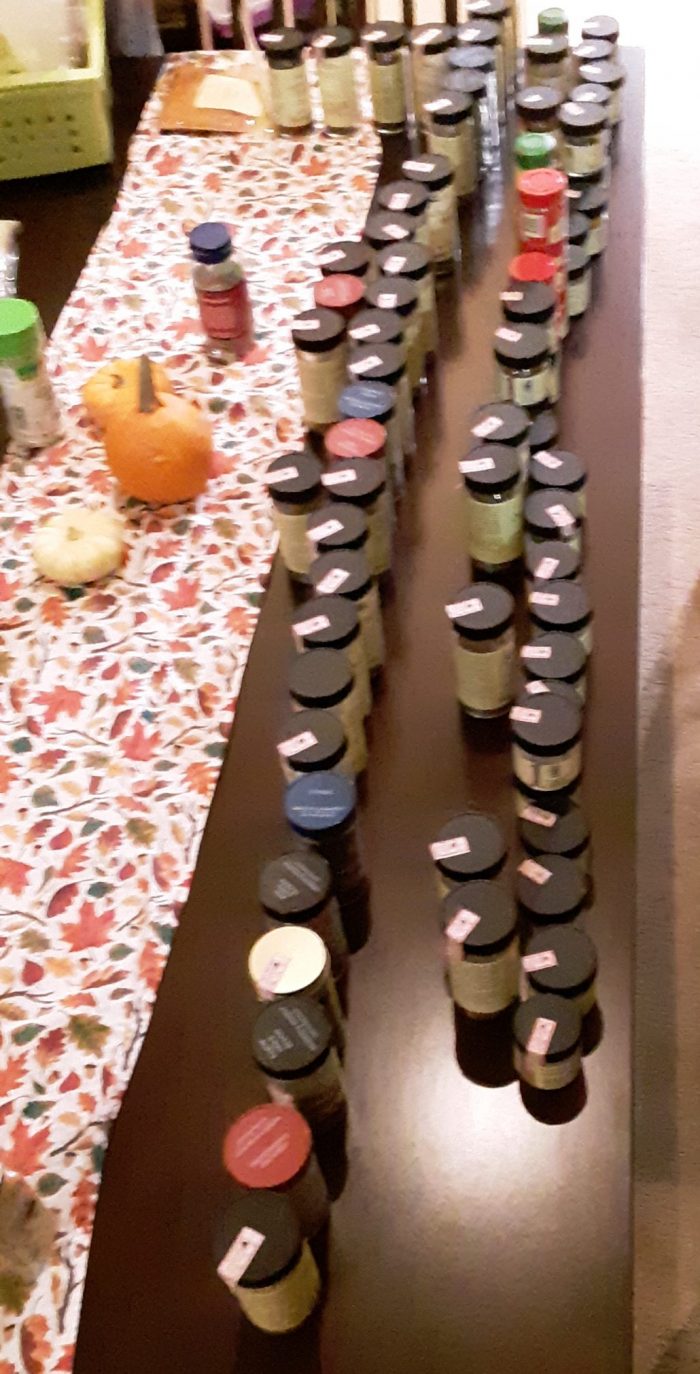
column 117, row 700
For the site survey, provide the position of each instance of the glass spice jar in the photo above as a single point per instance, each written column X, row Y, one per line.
column 503, row 423
column 550, row 890
column 551, row 558
column 546, row 61
column 333, row 622
column 565, row 832
column 542, row 267
column 293, row 483
column 348, row 257
column 563, row 606
column 290, row 98
column 322, row 810
column 534, row 150
column 583, row 130
column 337, row 526
column 293, row 959
column 552, row 514
column 266, row 1263
column 591, row 50
column 579, row 281
column 482, row 617
column 493, row 484
column 340, row 292
column 555, row 658
column 499, row 12
column 544, row 430
column 472, row 71
column 535, row 303
column 407, row 198
column 378, row 402
column 547, row 1043
column 473, row 85
column 593, row 205
column 578, row 229
column 222, row 291
column 537, row 108
column 484, row 34
column 547, row 742
column 522, row 355
column 373, row 326
column 451, row 131
column 602, row 26
column 345, row 572
column 435, row 172
column 363, row 482
column 429, row 46
column 559, row 468
column 402, row 368
column 553, row 20
column 479, row 924
column 611, row 75
column 413, row 261
column 332, row 48
column 388, row 227
column 385, row 44
column 270, row 1148
column 321, row 357
column 323, row 680
column 468, row 847
column 294, row 1050
column 311, row 742
column 297, row 889
column 356, row 438
column 562, row 962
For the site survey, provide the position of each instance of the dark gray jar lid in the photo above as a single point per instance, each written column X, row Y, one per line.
column 320, row 678
column 495, row 908
column 299, row 479
column 296, row 886
column 343, row 572
column 567, row 1019
column 558, row 892
column 484, row 852
column 500, row 422
column 547, row 832
column 557, row 467
column 487, row 611
column 318, row 330
column 291, row 1037
column 571, row 611
column 342, row 622
column 554, row 655
column 337, row 525
column 490, row 468
column 553, row 725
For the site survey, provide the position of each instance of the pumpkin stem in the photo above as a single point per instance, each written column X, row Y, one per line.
column 148, row 401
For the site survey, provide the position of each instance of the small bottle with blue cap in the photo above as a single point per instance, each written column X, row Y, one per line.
column 222, row 291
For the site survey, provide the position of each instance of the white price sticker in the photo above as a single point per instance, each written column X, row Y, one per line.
column 273, row 973
column 487, row 426
column 539, row 44
column 539, row 817
column 283, row 475
column 535, row 872
column 549, row 460
column 450, row 849
column 387, row 300
column 561, row 517
column 423, row 38
column 461, row 926
column 443, row 103
column 339, row 478
column 326, row 530
column 335, row 256
column 374, row 34
column 526, row 715
column 571, row 108
column 333, row 580
column 510, row 335
column 306, row 325
column 365, row 331
column 511, row 295
column 460, row 608
column 544, row 598
column 541, row 1035
column 399, row 200
column 395, row 263
column 535, row 689
column 536, row 651
column 422, row 168
column 312, row 626
column 584, row 96
column 324, row 41
column 396, row 231
column 289, row 748
column 546, row 568
column 532, row 98
column 469, row 35
column 240, row 1255
column 476, row 465
column 365, row 364
column 272, row 38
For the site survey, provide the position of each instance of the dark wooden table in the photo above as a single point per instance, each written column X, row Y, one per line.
column 471, row 1232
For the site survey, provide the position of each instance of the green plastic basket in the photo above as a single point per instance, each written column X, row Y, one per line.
column 58, row 121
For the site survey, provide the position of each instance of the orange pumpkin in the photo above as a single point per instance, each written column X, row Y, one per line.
column 160, row 449
column 115, row 387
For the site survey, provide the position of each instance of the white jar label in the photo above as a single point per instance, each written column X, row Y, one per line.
column 484, row 681
column 487, row 427
column 339, row 478
column 511, row 295
column 526, row 715
column 476, row 465
column 420, row 167
column 396, row 231
column 549, row 460
column 460, row 608
column 399, row 200
column 289, row 748
column 536, row 651
column 495, row 529
column 294, row 546
column 322, row 377
column 539, row 817
column 395, row 263
column 541, row 1035
column 534, row 871
column 533, row 225
column 544, row 598
column 363, row 365
column 387, row 300
column 485, row 986
column 370, row 615
column 462, row 924
column 510, row 335
column 334, row 256
column 324, row 531
column 561, row 516
column 450, row 849
column 284, row 475
column 240, row 1256
column 535, row 689
column 546, row 569
column 532, row 963
column 289, row 90
column 334, row 579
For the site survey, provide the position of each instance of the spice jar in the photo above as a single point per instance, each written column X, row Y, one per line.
column 563, row 606
column 312, row 742
column 553, row 513
column 384, row 43
column 534, row 150
column 293, row 1048
column 591, row 50
column 473, row 84
column 559, row 468
column 340, row 292
column 555, row 657
column 498, row 12
column 543, row 209
column 451, row 132
column 402, row 368
column 503, row 423
column 290, row 100
column 412, row 261
column 535, row 303
column 266, row 1263
column 523, row 371
column 378, row 402
column 601, row 26
column 271, row 1148
column 550, row 890
column 429, row 46
column 332, row 48
column 535, row 687
column 363, row 482
column 337, row 526
column 333, row 622
column 468, row 846
column 551, row 558
column 221, row 290
column 483, row 33
column 293, row 482
column 321, row 809
column 292, row 959
column 356, row 438
column 467, row 65
column 564, row 832
column 578, row 230
column 321, row 356
column 435, row 172
column 407, row 198
column 588, row 93
column 482, row 616
column 593, row 205
column 346, row 573
column 347, row 257
column 492, row 480
column 297, row 889
column 543, row 267
column 479, row 925
column 579, row 281
column 547, row 1043
column 547, row 742
column 562, row 962
column 553, row 20
column 611, row 75
column 544, row 430
column 537, row 108
column 583, row 129
column 388, row 227
column 323, row 680
column 546, row 61
column 376, row 326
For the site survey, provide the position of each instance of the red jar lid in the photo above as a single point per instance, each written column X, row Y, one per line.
column 340, row 292
column 267, row 1147
column 542, row 185
column 533, row 267
column 356, row 439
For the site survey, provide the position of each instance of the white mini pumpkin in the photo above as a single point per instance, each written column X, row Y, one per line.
column 79, row 545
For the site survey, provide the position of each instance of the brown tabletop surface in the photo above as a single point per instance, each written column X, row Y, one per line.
column 471, row 1230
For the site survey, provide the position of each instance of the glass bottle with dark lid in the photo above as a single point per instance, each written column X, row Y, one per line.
column 363, row 482
column 435, row 172
column 321, row 810
column 297, row 889
column 552, row 513
column 611, row 75
column 554, row 656
column 589, row 93
column 499, row 12
column 388, row 227
column 583, row 129
column 346, row 573
column 346, row 256
column 373, row 326
column 429, row 45
column 406, row 198
column 321, row 356
column 401, row 297
column 564, row 832
column 413, row 261
column 544, row 430
column 482, row 617
column 221, row 290
column 601, row 26
column 275, row 1279
column 290, row 101
column 562, row 962
column 559, row 468
column 546, row 60
column 551, row 558
column 311, row 741
column 593, row 205
column 578, row 270
column 332, row 48
column 547, row 742
column 578, row 229
column 547, row 1043
column 333, row 622
column 451, row 131
column 484, row 33
column 293, row 481
column 322, row 679
column 501, row 422
column 550, row 890
column 535, row 303
column 492, row 478
column 523, row 364
column 294, row 1049
column 472, row 83
column 537, row 108
column 565, row 606
column 592, row 50
column 384, row 42
column 469, row 846
column 479, row 924
column 337, row 526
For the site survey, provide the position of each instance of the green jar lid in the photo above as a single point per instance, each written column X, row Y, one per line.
column 553, row 20
column 534, row 150
column 19, row 325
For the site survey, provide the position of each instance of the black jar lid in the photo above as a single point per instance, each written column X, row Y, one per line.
column 481, row 610
column 324, row 743
column 429, row 169
column 360, row 480
column 526, row 346
column 296, row 886
column 556, row 893
column 554, row 655
column 388, row 227
column 282, row 43
column 490, row 468
column 470, row 82
column 592, row 201
column 367, row 401
column 432, row 37
column 606, row 73
column 532, row 302
column 557, row 467
column 337, row 525
column 342, row 623
column 544, row 429
column 577, row 262
column 272, row 1215
column 373, row 326
column 483, row 847
column 547, row 47
column 472, row 57
column 348, row 256
column 393, row 293
column 552, row 726
column 320, row 678
column 500, row 422
column 318, row 330
column 538, row 686
column 578, row 228
column 333, row 41
column 550, row 832
column 378, row 362
column 537, row 103
column 320, row 805
column 344, row 572
column 542, row 509
column 294, row 478
column 552, row 559
column 404, row 197
column 601, row 26
column 593, row 50
column 571, row 611
column 384, row 36
column 410, row 260
column 494, row 907
column 489, row 9
column 449, row 107
column 479, row 33
column 291, row 1037
column 566, row 1036
column 589, row 93
column 571, row 967
column 582, row 120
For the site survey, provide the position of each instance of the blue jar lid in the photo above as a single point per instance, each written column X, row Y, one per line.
column 367, row 401
column 318, row 803
column 210, row 242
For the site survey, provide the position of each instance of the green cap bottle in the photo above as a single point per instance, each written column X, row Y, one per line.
column 534, row 150
column 553, row 20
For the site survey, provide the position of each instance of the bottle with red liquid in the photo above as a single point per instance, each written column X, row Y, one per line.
column 222, row 291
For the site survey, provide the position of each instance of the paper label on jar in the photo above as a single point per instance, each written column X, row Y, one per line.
column 526, row 715
column 283, row 475
column 33, row 419
column 582, row 158
column 485, row 986
column 541, row 1035
column 532, row 963
column 324, row 41
column 395, row 263
column 424, row 7
column 336, row 80
column 511, row 295
column 339, row 479
column 363, row 365
column 510, row 335
column 450, row 849
column 334, row 256
column 533, row 225
column 399, row 200
column 535, row 689
column 487, row 427
column 365, row 331
column 294, row 546
column 578, row 294
column 387, row 300
column 289, row 91
column 395, row 231
column 322, row 377
column 544, row 598
column 549, row 460
column 442, row 103
column 539, row 817
column 546, row 776
column 476, row 464
column 561, row 517
column 273, row 973
column 420, row 167
column 326, row 530
column 461, row 926
column 459, row 608
column 240, row 1255
column 289, row 748
column 534, row 871
column 484, row 681
column 332, row 581
column 532, row 98
column 536, row 651
column 495, row 529
column 310, row 324
column 527, row 391
column 311, row 626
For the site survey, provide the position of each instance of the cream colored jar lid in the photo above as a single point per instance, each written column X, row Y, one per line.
column 286, row 960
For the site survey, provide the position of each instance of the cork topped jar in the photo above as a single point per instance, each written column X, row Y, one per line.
column 562, row 962
column 321, row 356
column 547, row 754
column 482, row 617
column 469, row 846
column 294, row 1049
column 293, row 481
column 266, row 1262
column 547, row 1043
column 290, row 100
column 479, row 924
column 493, row 485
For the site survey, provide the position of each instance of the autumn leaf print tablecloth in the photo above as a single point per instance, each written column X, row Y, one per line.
column 117, row 701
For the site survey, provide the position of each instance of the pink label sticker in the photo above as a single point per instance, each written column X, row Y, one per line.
column 536, row 651
column 535, row 689
column 476, row 464
column 541, row 1035
column 544, row 598
column 535, row 872
column 510, row 335
column 338, row 479
column 395, row 231
column 549, row 460
column 387, row 300
column 240, row 1255
column 365, row 331
column 592, row 69
column 526, row 715
column 273, row 973
column 532, row 963
column 461, row 926
column 283, row 475
column 311, row 626
column 399, row 200
column 460, row 608
column 289, row 748
column 561, row 517
column 335, row 256
column 324, row 531
column 511, row 295
column 571, row 108
column 374, row 34
column 365, row 364
column 538, row 817
column 546, row 568
column 487, row 426
column 333, row 580
column 450, row 849
column 584, row 96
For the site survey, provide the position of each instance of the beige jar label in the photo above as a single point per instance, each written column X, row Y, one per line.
column 578, row 295
column 414, row 350
column 597, row 235
column 358, row 662
column 484, row 681
column 582, row 158
column 317, row 1095
column 548, row 1077
column 372, row 629
column 337, row 85
column 427, row 306
column 495, row 530
column 291, row 103
column 484, row 987
column 388, row 92
column 448, row 146
column 379, row 539
column 294, row 545
column 442, row 223
column 428, row 76
column 286, row 1304
column 525, row 391
column 322, row 378
column 407, row 419
column 350, row 712
column 547, row 774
